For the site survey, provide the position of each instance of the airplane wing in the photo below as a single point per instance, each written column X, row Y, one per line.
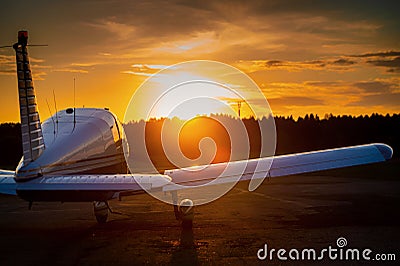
column 255, row 170
column 81, row 187
column 258, row 169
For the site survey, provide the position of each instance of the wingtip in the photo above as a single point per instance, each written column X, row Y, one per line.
column 385, row 150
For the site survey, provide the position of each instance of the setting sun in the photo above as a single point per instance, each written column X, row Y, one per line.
column 194, row 88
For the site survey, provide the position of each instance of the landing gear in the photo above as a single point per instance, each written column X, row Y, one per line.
column 184, row 212
column 100, row 209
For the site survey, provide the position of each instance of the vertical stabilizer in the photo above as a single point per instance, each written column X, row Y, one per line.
column 32, row 136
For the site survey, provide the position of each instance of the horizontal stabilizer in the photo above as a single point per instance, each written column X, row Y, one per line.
column 7, row 182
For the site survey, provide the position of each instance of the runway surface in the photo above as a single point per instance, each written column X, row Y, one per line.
column 360, row 204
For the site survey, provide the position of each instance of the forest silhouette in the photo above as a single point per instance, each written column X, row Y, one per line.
column 293, row 135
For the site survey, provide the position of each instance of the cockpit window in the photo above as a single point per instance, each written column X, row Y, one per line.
column 115, row 130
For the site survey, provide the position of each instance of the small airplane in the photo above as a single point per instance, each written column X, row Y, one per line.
column 77, row 156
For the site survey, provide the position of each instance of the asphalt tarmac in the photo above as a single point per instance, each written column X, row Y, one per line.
column 360, row 204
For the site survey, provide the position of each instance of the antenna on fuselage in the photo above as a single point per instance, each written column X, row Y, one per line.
column 55, row 107
column 74, row 107
column 52, row 119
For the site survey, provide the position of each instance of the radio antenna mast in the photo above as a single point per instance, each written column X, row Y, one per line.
column 239, row 105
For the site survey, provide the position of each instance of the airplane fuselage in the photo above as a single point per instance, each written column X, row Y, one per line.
column 78, row 141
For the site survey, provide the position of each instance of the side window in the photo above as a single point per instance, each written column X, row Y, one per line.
column 115, row 132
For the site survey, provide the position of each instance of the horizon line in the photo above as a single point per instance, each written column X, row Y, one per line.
column 326, row 116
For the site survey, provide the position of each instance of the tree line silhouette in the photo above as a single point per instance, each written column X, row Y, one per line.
column 293, row 135
column 312, row 133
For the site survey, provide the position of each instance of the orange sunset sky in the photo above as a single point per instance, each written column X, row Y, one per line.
column 340, row 57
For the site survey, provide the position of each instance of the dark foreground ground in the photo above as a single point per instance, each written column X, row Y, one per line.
column 360, row 204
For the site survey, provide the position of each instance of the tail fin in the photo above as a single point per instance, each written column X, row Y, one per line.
column 32, row 136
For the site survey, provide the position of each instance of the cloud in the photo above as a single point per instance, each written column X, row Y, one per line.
column 295, row 101
column 7, row 72
column 336, row 64
column 39, row 75
column 333, row 64
column 137, row 73
column 325, row 83
column 89, row 64
column 120, row 30
column 70, row 70
column 8, row 66
column 331, row 48
column 144, row 69
column 386, row 100
column 343, row 62
column 380, row 54
column 387, row 59
column 340, row 92
column 7, row 59
column 147, row 67
column 376, row 86
column 176, row 31
column 81, row 67
column 35, row 60
column 201, row 42
column 392, row 64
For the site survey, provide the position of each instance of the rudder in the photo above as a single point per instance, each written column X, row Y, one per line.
column 32, row 136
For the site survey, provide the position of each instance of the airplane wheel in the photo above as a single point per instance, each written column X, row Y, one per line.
column 186, row 211
column 100, row 209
